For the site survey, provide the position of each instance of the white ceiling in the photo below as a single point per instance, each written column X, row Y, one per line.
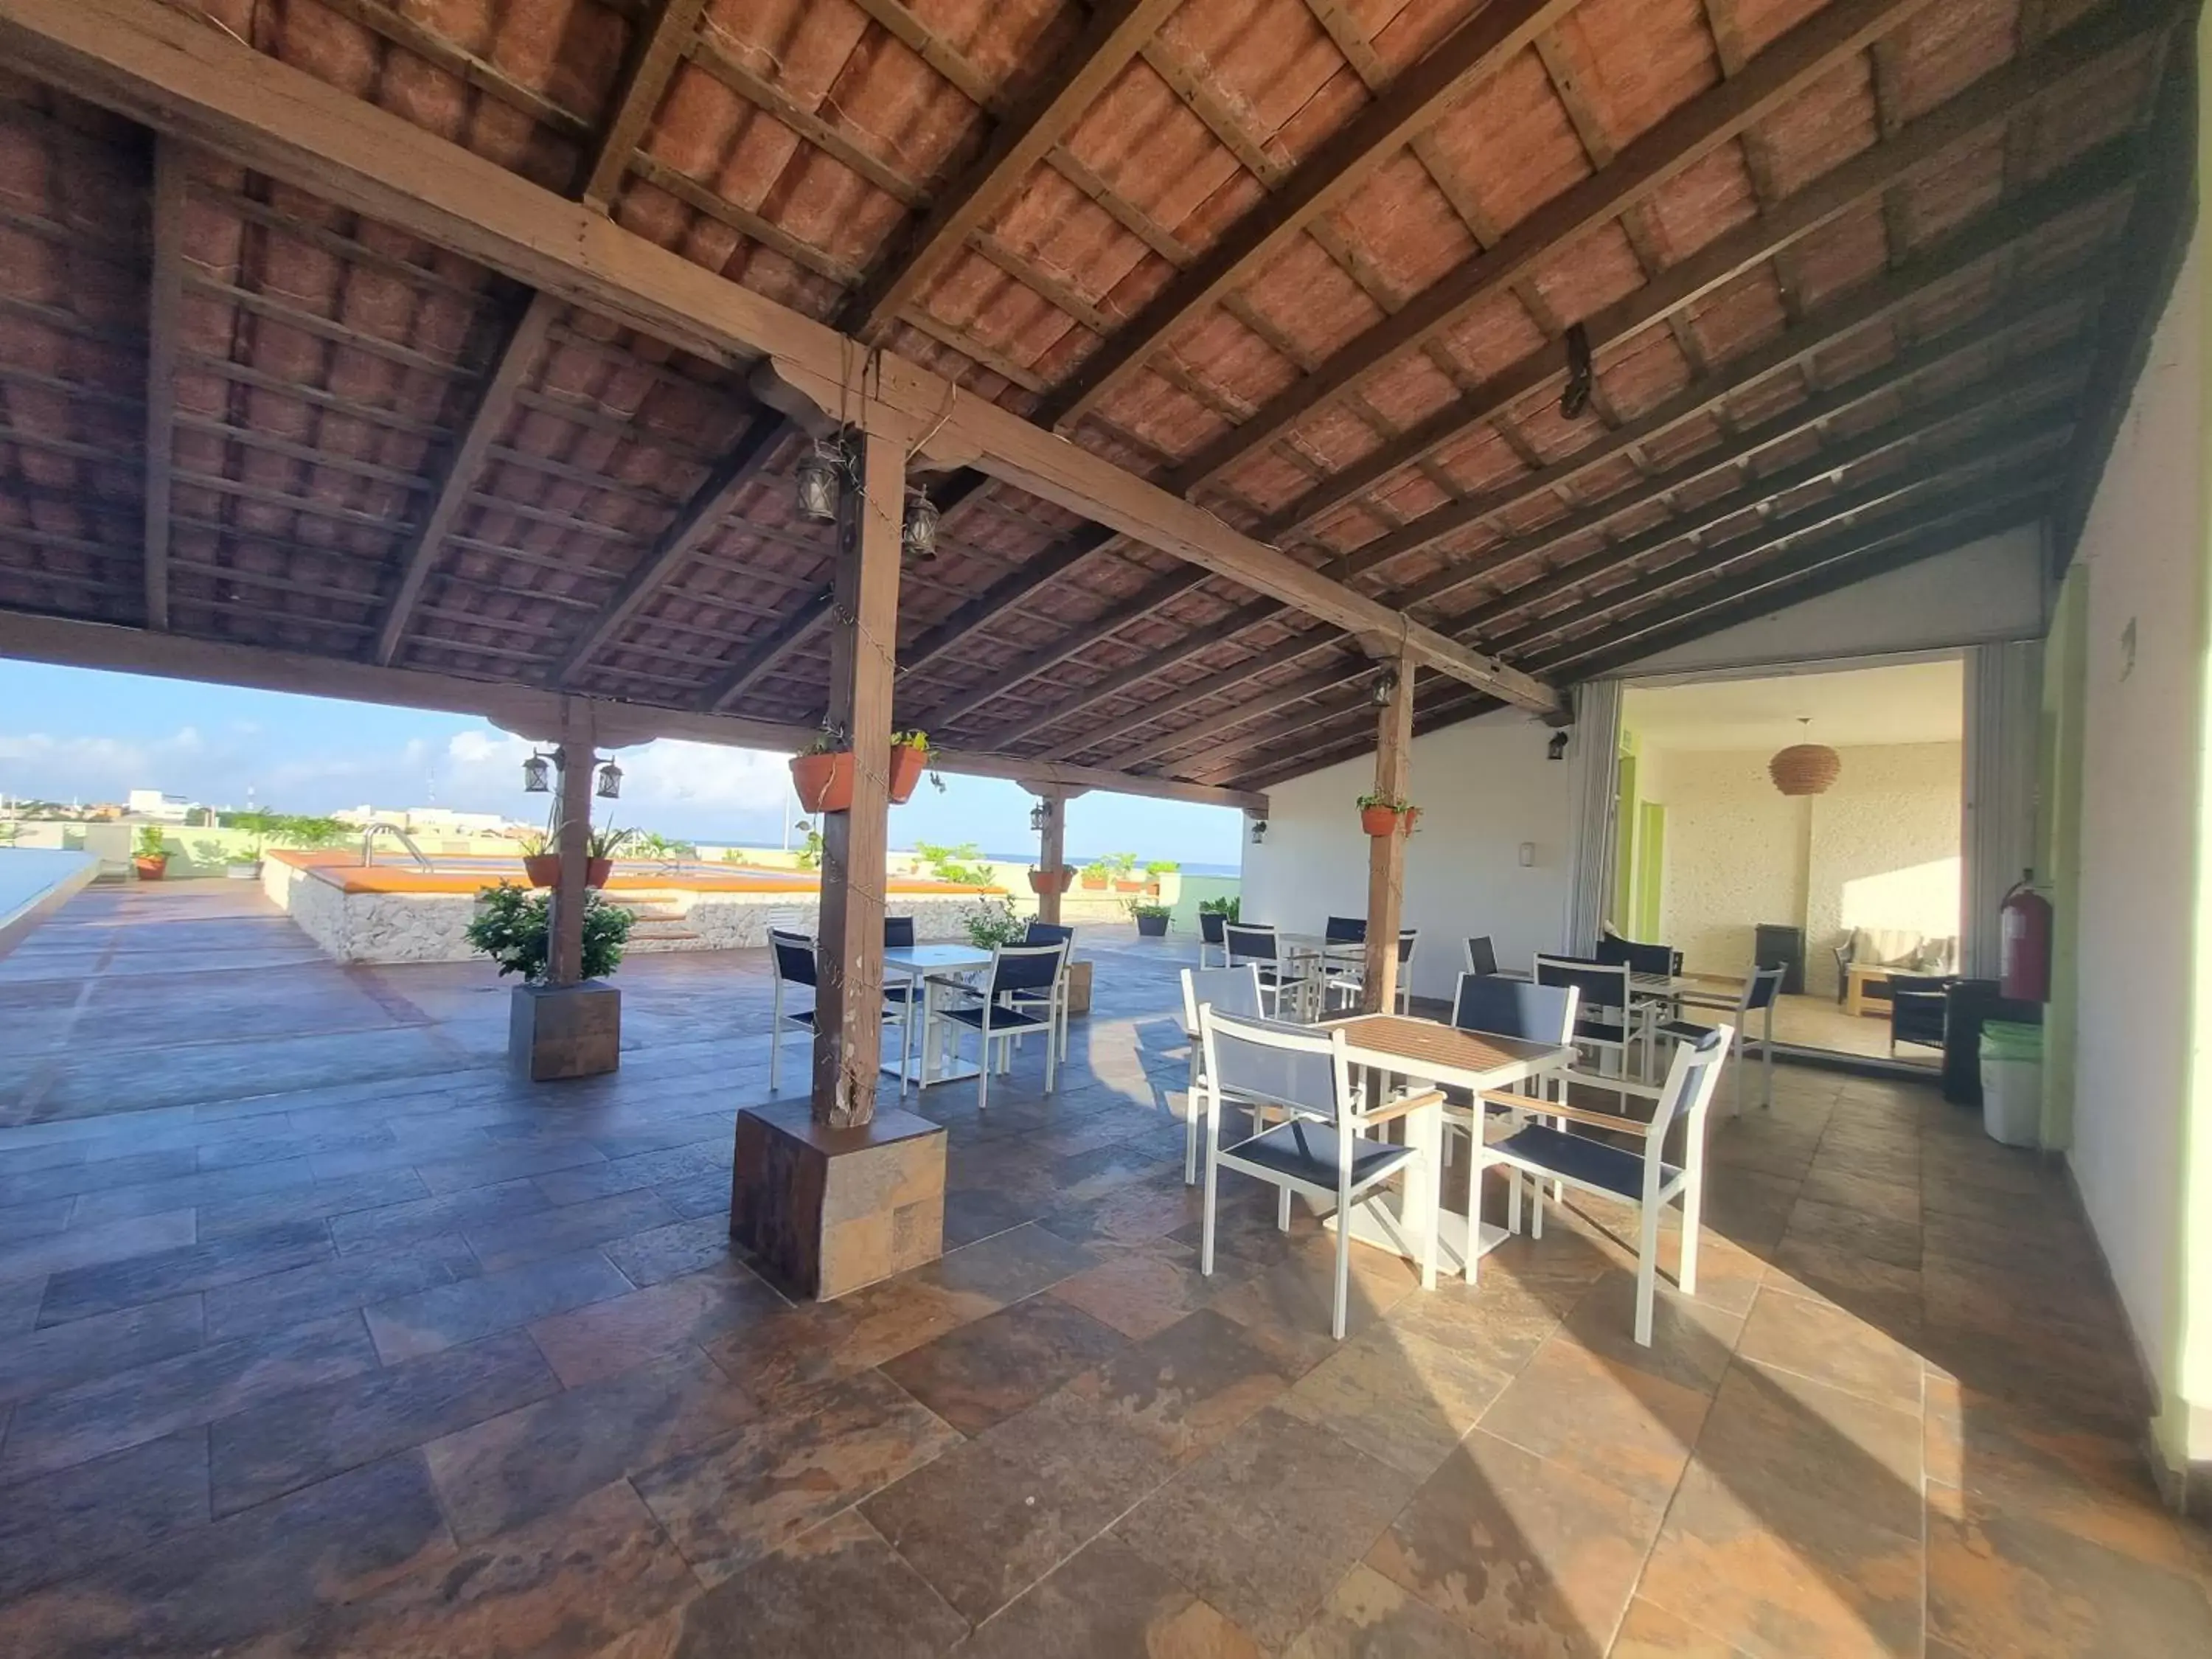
column 1906, row 702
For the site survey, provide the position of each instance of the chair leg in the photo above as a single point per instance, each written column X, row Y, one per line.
column 1190, row 1121
column 1421, row 1171
column 775, row 1036
column 1283, row 1209
column 1512, row 1201
column 1686, row 1276
column 1051, row 1051
column 1212, row 1187
column 1343, row 1261
column 1537, row 1205
column 1647, row 1271
column 906, row 1039
column 1475, row 1167
column 983, row 1070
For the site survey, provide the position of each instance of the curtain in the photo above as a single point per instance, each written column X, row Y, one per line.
column 1594, row 752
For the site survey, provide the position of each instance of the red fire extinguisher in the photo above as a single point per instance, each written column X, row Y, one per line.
column 2024, row 941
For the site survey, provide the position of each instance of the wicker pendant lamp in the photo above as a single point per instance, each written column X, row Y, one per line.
column 1805, row 769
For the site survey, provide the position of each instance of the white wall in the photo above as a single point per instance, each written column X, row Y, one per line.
column 1484, row 787
column 2143, row 559
column 1735, row 855
column 1986, row 590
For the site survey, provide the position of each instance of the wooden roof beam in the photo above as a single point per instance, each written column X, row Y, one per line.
column 164, row 330
column 2097, row 173
column 1831, row 36
column 655, row 51
column 1845, row 187
column 140, row 58
column 1113, row 34
column 529, row 710
column 1416, row 100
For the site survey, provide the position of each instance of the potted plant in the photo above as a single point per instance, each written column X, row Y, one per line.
column 909, row 759
column 601, row 850
column 1095, row 875
column 1151, row 919
column 1051, row 881
column 993, row 923
column 149, row 860
column 1123, row 865
column 1384, row 815
column 541, row 866
column 244, row 865
column 822, row 774
column 1214, row 914
column 513, row 927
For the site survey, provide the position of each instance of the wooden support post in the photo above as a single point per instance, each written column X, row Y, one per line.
column 1052, row 852
column 863, row 624
column 565, row 950
column 1386, row 854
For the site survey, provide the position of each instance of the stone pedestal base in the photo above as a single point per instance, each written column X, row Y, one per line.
column 556, row 1031
column 1079, row 987
column 827, row 1210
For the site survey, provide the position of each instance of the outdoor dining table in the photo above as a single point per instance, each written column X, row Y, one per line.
column 1427, row 1051
column 928, row 965
column 1337, row 952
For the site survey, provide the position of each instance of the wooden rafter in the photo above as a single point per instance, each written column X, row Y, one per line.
column 2028, row 388
column 653, row 57
column 1844, row 188
column 164, row 325
column 1418, row 100
column 1829, row 37
column 1111, row 36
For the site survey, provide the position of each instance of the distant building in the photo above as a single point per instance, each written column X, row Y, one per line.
column 428, row 820
column 154, row 805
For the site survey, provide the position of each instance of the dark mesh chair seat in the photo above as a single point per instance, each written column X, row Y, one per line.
column 1580, row 1158
column 1003, row 1019
column 1307, row 1150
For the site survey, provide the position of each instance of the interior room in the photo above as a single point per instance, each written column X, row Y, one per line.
column 1811, row 819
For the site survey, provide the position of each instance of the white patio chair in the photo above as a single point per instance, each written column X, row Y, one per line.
column 1350, row 981
column 1256, row 942
column 1605, row 1016
column 1319, row 1152
column 991, row 1010
column 1552, row 1151
column 1761, row 991
column 794, row 965
column 1056, row 997
column 1234, row 991
column 1494, row 1006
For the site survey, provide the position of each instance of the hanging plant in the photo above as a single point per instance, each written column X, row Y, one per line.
column 822, row 774
column 1386, row 815
column 909, row 759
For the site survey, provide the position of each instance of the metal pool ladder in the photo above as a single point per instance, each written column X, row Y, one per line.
column 369, row 842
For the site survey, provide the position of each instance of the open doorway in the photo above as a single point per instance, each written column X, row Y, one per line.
column 1853, row 881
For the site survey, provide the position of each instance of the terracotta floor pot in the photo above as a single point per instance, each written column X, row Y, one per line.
column 150, row 869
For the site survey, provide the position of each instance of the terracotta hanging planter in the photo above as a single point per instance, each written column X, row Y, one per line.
column 1051, row 881
column 596, row 871
column 1379, row 821
column 825, row 782
column 908, row 764
column 1412, row 817
column 542, row 869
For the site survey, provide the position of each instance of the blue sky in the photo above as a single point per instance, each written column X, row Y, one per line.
column 73, row 733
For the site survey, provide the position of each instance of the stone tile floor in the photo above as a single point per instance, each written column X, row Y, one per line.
column 320, row 1336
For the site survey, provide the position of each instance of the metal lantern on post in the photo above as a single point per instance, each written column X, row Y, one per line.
column 818, row 479
column 1040, row 816
column 1805, row 769
column 1384, row 687
column 536, row 775
column 609, row 782
column 1259, row 831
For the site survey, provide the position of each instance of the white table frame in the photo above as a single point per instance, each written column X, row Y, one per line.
column 924, row 965
column 1404, row 1232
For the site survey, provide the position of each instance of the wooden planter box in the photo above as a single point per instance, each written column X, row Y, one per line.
column 556, row 1031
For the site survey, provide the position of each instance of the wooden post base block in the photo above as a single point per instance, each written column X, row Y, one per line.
column 827, row 1210
column 555, row 1031
column 1079, row 988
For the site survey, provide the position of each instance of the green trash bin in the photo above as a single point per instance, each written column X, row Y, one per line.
column 2012, row 1083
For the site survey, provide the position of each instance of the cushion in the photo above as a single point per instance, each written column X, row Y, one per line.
column 1002, row 1019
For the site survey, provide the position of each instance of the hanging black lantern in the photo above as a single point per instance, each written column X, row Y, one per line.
column 919, row 533
column 610, row 782
column 536, row 775
column 818, row 480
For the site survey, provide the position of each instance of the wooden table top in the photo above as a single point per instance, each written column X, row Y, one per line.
column 935, row 958
column 1441, row 1053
